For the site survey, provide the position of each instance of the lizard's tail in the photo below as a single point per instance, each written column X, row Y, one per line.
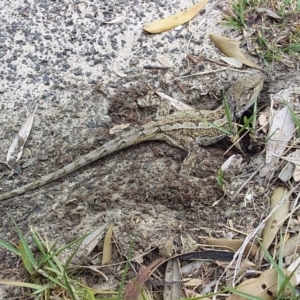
column 124, row 141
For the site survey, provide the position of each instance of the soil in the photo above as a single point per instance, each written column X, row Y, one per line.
column 138, row 189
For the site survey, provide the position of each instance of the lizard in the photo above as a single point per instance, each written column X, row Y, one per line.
column 184, row 129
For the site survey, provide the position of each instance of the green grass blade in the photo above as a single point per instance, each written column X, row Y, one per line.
column 58, row 264
column 57, row 252
column 220, row 178
column 66, row 278
column 9, row 247
column 37, row 240
column 41, row 290
column 26, row 260
column 51, row 260
column 46, row 254
column 21, row 284
column 89, row 294
column 244, row 295
column 55, row 271
column 228, row 115
column 52, row 279
column 224, row 130
column 294, row 47
column 27, row 254
column 126, row 268
column 294, row 116
column 285, row 280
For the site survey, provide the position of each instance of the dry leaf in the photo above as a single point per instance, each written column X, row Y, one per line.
column 269, row 12
column 91, row 241
column 296, row 174
column 232, row 61
column 16, row 148
column 233, row 161
column 233, row 245
column 292, row 168
column 280, row 133
column 290, row 247
column 193, row 267
column 175, row 20
column 293, row 158
column 263, row 122
column 265, row 286
column 135, row 286
column 172, row 274
column 275, row 222
column 107, row 246
column 116, row 20
column 242, row 266
column 193, row 282
column 294, row 268
column 145, row 295
column 287, row 171
column 231, row 48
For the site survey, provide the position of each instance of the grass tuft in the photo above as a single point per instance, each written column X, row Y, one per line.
column 48, row 277
column 272, row 27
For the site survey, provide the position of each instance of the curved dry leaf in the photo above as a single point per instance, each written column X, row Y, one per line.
column 243, row 266
column 294, row 268
column 135, row 286
column 16, row 148
column 296, row 174
column 293, row 158
column 91, row 241
column 234, row 161
column 263, row 122
column 107, row 246
column 280, row 133
column 287, row 171
column 232, row 61
column 175, row 20
column 193, row 282
column 292, row 167
column 233, row 245
column 275, row 222
column 290, row 247
column 192, row 267
column 172, row 274
column 231, row 48
column 265, row 286
column 269, row 12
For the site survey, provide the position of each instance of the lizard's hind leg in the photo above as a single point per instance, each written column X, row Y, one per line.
column 187, row 144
